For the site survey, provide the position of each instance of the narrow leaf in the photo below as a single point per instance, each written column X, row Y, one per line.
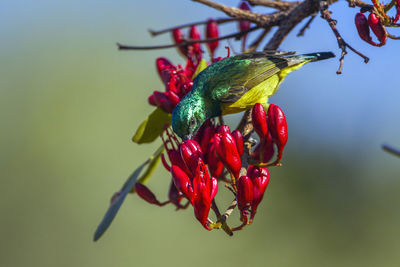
column 126, row 188
column 152, row 127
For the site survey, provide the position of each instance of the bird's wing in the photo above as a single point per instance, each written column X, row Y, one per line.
column 259, row 70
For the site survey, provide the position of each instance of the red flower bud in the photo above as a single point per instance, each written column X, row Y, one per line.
column 397, row 11
column 237, row 135
column 146, row 194
column 162, row 101
column 164, row 65
column 191, row 153
column 182, row 181
column 377, row 27
column 177, row 36
column 204, row 190
column 260, row 178
column 195, row 49
column 244, row 24
column 227, row 152
column 212, row 32
column 244, row 194
column 278, row 128
column 214, row 163
column 206, row 136
column 152, row 100
column 259, row 118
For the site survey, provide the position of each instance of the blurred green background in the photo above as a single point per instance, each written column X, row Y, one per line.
column 70, row 103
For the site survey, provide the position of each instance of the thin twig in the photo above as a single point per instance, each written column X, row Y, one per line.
column 259, row 19
column 224, row 225
column 280, row 5
column 391, row 150
column 325, row 14
column 218, row 21
column 186, row 41
column 253, row 47
column 306, row 26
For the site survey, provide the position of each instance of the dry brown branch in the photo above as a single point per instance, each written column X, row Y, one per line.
column 187, row 41
column 306, row 26
column 280, row 5
column 259, row 19
column 325, row 14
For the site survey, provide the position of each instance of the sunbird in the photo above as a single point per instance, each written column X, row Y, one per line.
column 235, row 84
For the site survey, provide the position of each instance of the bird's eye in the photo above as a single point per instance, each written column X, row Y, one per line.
column 192, row 122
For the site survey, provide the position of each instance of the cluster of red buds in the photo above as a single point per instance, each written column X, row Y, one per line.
column 377, row 21
column 272, row 130
column 177, row 80
column 197, row 165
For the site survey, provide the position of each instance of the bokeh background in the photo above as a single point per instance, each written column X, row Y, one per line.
column 70, row 102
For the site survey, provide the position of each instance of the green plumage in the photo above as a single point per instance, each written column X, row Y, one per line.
column 235, row 84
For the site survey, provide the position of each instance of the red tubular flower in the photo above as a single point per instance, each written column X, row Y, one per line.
column 260, row 179
column 227, row 152
column 363, row 28
column 182, row 181
column 207, row 134
column 177, row 36
column 215, row 165
column 244, row 194
column 212, row 32
column 259, row 118
column 278, row 128
column 237, row 135
column 204, row 190
column 195, row 49
column 191, row 153
column 146, row 194
column 378, row 29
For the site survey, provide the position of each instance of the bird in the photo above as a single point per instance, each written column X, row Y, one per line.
column 235, row 84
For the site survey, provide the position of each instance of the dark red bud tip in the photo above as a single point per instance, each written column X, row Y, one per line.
column 259, row 118
column 237, row 135
column 244, row 193
column 378, row 29
column 260, row 179
column 195, row 49
column 212, row 32
column 146, row 194
column 152, row 100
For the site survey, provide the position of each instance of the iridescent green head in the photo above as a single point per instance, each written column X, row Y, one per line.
column 188, row 116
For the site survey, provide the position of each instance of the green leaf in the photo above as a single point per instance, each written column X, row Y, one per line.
column 202, row 65
column 126, row 188
column 152, row 126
